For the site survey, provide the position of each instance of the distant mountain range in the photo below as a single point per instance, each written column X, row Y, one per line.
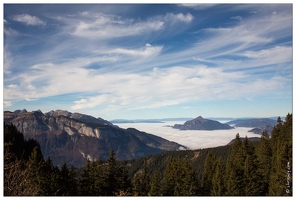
column 73, row 137
column 254, row 122
column 258, row 124
column 200, row 123
column 118, row 121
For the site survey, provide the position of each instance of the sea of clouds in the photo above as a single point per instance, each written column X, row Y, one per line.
column 192, row 139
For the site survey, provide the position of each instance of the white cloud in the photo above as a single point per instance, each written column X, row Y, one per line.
column 198, row 6
column 102, row 26
column 148, row 45
column 29, row 20
column 172, row 86
column 142, row 52
column 7, row 103
column 180, row 17
column 92, row 101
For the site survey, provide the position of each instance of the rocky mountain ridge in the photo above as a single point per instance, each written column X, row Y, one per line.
column 74, row 137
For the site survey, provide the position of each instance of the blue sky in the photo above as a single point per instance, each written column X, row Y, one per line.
column 149, row 61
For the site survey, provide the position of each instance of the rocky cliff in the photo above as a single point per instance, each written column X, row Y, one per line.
column 74, row 137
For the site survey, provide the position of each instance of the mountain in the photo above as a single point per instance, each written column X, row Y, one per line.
column 73, row 137
column 254, row 122
column 267, row 128
column 200, row 123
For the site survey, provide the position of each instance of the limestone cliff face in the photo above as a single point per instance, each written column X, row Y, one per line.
column 72, row 138
column 36, row 122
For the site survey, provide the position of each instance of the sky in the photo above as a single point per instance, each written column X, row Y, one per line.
column 147, row 61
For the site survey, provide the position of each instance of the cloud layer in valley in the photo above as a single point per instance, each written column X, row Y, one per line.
column 192, row 139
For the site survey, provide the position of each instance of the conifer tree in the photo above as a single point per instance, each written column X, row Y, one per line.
column 98, row 177
column 35, row 176
column 263, row 152
column 155, row 185
column 218, row 181
column 208, row 173
column 86, row 180
column 142, row 182
column 124, row 181
column 168, row 182
column 72, row 183
column 188, row 182
column 234, row 170
column 111, row 176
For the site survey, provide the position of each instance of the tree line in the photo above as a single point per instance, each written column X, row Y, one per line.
column 251, row 169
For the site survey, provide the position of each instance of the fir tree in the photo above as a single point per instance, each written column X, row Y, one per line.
column 218, row 181
column 124, row 181
column 155, row 185
column 86, row 180
column 35, row 175
column 234, row 170
column 168, row 182
column 208, row 173
column 142, row 182
column 111, row 176
column 189, row 185
column 263, row 152
column 98, row 177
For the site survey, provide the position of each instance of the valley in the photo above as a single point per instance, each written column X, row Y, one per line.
column 193, row 139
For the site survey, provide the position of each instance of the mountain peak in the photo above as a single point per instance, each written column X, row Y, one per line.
column 200, row 123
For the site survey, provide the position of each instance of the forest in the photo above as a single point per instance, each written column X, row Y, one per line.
column 244, row 168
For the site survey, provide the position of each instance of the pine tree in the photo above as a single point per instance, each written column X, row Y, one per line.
column 111, row 176
column 218, row 181
column 155, row 185
column 251, row 177
column 208, row 173
column 168, row 182
column 72, row 182
column 35, row 175
column 263, row 152
column 234, row 170
column 188, row 181
column 96, row 169
column 86, row 180
column 142, row 182
column 124, row 182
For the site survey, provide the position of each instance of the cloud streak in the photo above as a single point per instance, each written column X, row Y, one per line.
column 29, row 20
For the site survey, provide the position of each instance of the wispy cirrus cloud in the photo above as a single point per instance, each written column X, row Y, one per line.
column 147, row 51
column 111, row 62
column 28, row 20
column 102, row 26
column 198, row 6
